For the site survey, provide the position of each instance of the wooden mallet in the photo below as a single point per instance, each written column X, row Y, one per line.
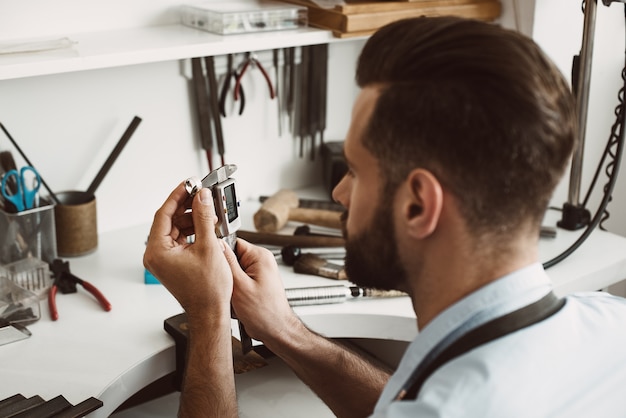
column 282, row 207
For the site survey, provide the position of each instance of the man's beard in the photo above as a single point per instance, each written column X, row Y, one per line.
column 371, row 256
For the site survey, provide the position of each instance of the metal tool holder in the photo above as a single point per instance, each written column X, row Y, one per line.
column 36, row 406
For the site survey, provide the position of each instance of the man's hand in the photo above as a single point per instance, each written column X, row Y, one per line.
column 347, row 383
column 199, row 277
column 259, row 298
column 196, row 274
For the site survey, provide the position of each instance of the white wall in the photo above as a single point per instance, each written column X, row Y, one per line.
column 68, row 123
column 558, row 28
column 36, row 18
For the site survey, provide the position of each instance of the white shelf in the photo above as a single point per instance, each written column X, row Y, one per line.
column 117, row 48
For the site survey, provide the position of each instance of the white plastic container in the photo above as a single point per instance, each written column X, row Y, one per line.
column 243, row 16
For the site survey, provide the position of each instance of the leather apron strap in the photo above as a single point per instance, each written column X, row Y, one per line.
column 489, row 331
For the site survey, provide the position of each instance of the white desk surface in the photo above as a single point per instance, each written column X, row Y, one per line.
column 112, row 355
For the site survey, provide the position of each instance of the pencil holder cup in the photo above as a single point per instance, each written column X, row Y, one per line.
column 29, row 233
column 76, row 223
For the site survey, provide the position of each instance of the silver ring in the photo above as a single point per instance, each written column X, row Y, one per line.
column 193, row 185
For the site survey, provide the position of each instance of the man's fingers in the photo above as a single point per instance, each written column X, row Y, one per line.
column 204, row 217
column 251, row 254
column 184, row 222
column 233, row 262
column 162, row 224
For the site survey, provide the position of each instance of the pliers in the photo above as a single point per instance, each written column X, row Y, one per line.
column 231, row 72
column 66, row 283
column 251, row 59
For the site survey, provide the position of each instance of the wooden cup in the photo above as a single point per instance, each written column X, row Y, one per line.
column 76, row 223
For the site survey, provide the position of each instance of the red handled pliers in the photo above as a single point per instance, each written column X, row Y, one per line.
column 231, row 73
column 66, row 283
column 252, row 60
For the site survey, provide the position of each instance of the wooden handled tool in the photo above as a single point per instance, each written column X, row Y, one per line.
column 304, row 241
column 282, row 207
column 316, row 265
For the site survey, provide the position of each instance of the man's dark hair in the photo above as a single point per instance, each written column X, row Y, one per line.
column 479, row 106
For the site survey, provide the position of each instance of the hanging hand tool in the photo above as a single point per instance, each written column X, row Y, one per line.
column 289, row 83
column 66, row 283
column 202, row 105
column 213, row 101
column 311, row 96
column 278, row 91
column 303, row 114
column 231, row 73
column 323, row 89
column 251, row 60
column 317, row 84
column 314, row 96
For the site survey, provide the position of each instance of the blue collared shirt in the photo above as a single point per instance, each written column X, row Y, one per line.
column 572, row 364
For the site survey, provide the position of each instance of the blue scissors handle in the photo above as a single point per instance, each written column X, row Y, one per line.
column 15, row 198
column 31, row 190
column 24, row 197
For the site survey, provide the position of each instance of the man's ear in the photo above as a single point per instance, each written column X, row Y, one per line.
column 422, row 203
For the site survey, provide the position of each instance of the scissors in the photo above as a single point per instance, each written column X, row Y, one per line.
column 22, row 196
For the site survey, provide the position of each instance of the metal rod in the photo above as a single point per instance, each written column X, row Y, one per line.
column 582, row 100
column 317, row 295
column 214, row 106
column 130, row 130
column 203, row 109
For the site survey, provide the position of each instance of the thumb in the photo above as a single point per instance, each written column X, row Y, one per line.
column 233, row 261
column 203, row 215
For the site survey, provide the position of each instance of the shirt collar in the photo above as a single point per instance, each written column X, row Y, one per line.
column 495, row 299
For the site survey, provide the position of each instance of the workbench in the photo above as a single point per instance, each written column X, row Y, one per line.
column 112, row 355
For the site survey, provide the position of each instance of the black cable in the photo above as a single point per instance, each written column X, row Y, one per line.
column 606, row 149
column 598, row 216
column 611, row 166
column 618, row 141
column 613, row 140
